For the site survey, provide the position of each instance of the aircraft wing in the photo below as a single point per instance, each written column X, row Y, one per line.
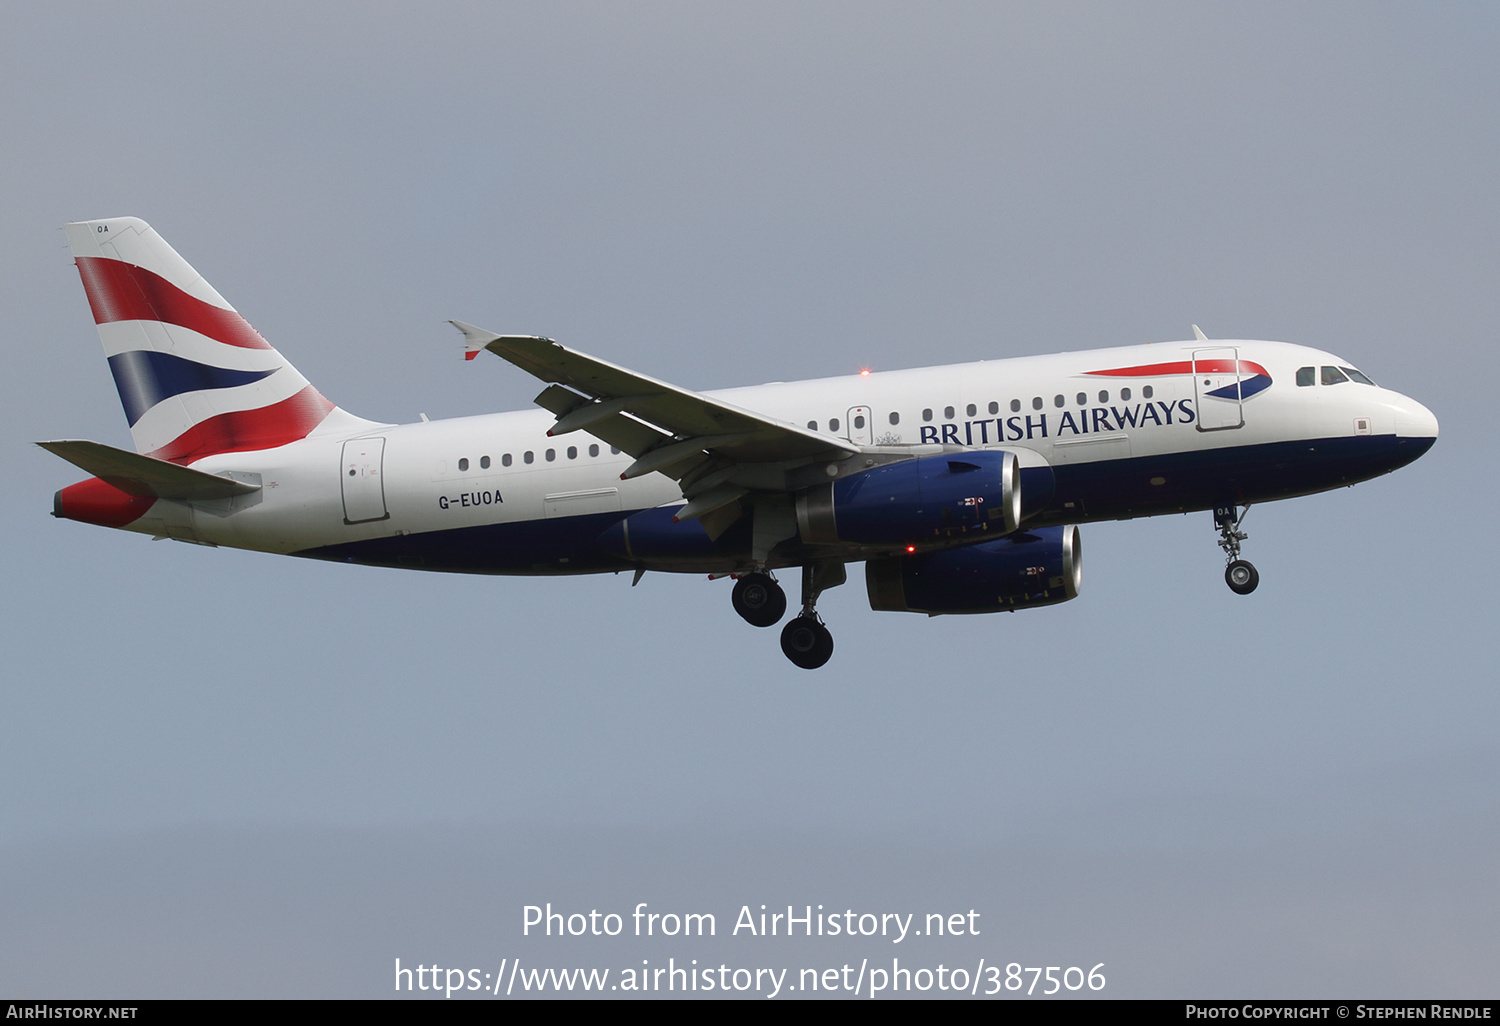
column 717, row 451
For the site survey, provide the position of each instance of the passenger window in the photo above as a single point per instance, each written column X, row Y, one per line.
column 926, row 414
column 1333, row 376
column 593, row 450
column 1305, row 376
column 1036, row 402
column 463, row 464
column 614, row 450
column 530, row 456
column 1083, row 398
column 572, row 452
column 972, row 410
column 1104, row 397
column 1124, row 395
column 1058, row 401
column 1356, row 376
column 859, row 422
column 812, row 425
column 895, row 418
column 1015, row 406
column 551, row 455
column 947, row 413
column 484, row 463
column 505, row 460
column 994, row 409
column 1147, row 391
column 833, row 424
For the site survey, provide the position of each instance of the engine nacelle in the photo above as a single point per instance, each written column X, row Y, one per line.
column 915, row 500
column 1033, row 568
column 656, row 538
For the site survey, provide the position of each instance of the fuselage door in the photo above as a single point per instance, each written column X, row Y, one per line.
column 363, row 481
column 861, row 430
column 1216, row 384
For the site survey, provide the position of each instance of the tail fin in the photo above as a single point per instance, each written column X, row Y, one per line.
column 195, row 379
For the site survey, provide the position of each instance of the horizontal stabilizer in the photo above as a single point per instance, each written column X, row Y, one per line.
column 144, row 476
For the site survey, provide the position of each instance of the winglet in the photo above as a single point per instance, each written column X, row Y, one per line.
column 1198, row 334
column 475, row 339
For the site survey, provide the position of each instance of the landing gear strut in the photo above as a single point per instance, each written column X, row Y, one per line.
column 806, row 642
column 759, row 599
column 1240, row 574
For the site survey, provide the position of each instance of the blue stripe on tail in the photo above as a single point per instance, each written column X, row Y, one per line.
column 145, row 378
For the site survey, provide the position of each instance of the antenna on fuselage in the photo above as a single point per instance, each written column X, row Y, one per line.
column 1198, row 334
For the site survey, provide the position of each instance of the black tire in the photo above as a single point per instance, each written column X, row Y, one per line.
column 807, row 642
column 1241, row 576
column 759, row 600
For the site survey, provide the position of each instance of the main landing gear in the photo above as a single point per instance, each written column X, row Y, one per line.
column 1240, row 574
column 806, row 642
column 761, row 602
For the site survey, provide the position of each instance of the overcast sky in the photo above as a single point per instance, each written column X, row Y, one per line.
column 224, row 773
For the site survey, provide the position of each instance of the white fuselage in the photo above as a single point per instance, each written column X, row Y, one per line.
column 435, row 479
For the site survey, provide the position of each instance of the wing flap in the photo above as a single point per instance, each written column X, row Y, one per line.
column 709, row 501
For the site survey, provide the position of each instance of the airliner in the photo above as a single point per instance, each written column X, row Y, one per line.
column 960, row 488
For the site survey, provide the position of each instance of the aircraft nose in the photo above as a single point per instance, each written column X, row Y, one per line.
column 1416, row 430
column 1413, row 420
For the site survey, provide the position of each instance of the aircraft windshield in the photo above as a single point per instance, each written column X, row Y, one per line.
column 1355, row 375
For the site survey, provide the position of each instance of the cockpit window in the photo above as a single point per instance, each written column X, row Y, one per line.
column 1355, row 375
column 1333, row 376
column 1307, row 376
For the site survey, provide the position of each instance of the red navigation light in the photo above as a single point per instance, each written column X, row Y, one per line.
column 911, row 548
column 864, row 372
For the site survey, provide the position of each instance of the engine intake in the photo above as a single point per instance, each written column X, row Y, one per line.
column 1034, row 568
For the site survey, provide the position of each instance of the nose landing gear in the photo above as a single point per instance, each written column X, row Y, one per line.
column 1240, row 574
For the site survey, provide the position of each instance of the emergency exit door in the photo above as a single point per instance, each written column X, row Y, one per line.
column 861, row 430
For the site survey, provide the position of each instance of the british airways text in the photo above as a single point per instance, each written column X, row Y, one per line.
column 1087, row 421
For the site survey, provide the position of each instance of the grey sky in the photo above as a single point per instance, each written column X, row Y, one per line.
column 227, row 773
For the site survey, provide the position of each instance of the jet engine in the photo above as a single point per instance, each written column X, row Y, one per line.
column 919, row 500
column 1032, row 568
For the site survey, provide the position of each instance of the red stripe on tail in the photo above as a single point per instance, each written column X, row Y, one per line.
column 119, row 291
column 243, row 430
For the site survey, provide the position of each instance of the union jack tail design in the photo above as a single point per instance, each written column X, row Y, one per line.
column 195, row 379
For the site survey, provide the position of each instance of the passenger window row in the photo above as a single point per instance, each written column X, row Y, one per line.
column 972, row 410
column 949, row 412
column 529, row 456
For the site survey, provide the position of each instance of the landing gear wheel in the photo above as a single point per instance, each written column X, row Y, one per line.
column 807, row 642
column 759, row 600
column 1241, row 576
